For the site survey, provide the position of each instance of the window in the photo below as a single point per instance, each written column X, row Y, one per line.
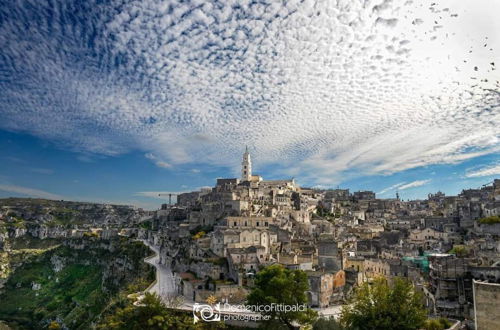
column 234, row 223
column 266, row 224
column 258, row 224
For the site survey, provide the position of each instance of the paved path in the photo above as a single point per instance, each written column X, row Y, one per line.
column 166, row 287
column 330, row 311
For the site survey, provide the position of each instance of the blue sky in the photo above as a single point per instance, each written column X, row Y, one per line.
column 117, row 100
column 34, row 167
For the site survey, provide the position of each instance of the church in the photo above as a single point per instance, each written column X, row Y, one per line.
column 256, row 180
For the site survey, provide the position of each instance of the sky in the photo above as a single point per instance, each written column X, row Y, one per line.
column 118, row 101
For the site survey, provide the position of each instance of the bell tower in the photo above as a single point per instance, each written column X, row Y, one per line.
column 246, row 166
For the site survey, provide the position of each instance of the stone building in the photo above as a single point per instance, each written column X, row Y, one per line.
column 329, row 255
column 486, row 305
column 320, row 288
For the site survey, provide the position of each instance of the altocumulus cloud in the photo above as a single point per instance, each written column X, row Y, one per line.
column 321, row 87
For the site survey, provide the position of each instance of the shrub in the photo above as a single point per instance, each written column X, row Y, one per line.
column 490, row 220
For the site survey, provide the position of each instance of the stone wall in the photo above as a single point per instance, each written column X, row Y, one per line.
column 486, row 302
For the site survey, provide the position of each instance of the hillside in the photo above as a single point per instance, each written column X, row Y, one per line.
column 70, row 281
column 67, row 213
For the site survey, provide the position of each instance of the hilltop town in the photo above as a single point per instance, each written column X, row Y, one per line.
column 216, row 239
column 212, row 242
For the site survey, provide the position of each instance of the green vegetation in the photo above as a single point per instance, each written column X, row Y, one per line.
column 35, row 294
column 18, row 223
column 490, row 220
column 383, row 306
column 3, row 227
column 460, row 250
column 276, row 284
column 64, row 217
column 199, row 235
column 205, row 229
column 64, row 214
column 146, row 225
column 437, row 324
column 58, row 293
column 218, row 261
column 28, row 242
column 22, row 249
column 322, row 211
column 327, row 324
column 91, row 234
column 151, row 313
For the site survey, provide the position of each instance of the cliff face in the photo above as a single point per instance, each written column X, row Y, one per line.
column 70, row 280
column 43, row 219
column 20, row 212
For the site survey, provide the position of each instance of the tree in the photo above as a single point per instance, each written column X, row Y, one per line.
column 382, row 306
column 277, row 286
column 460, row 251
column 151, row 313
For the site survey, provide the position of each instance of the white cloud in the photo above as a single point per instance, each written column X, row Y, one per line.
column 483, row 171
column 158, row 162
column 30, row 192
column 163, row 164
column 414, row 184
column 324, row 90
column 395, row 186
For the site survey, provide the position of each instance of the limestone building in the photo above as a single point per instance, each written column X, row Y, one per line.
column 246, row 166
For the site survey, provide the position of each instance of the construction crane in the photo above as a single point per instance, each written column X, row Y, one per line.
column 169, row 197
column 487, row 184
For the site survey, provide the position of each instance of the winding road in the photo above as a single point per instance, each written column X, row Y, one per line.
column 166, row 287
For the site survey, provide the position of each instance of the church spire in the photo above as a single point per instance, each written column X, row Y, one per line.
column 246, row 166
